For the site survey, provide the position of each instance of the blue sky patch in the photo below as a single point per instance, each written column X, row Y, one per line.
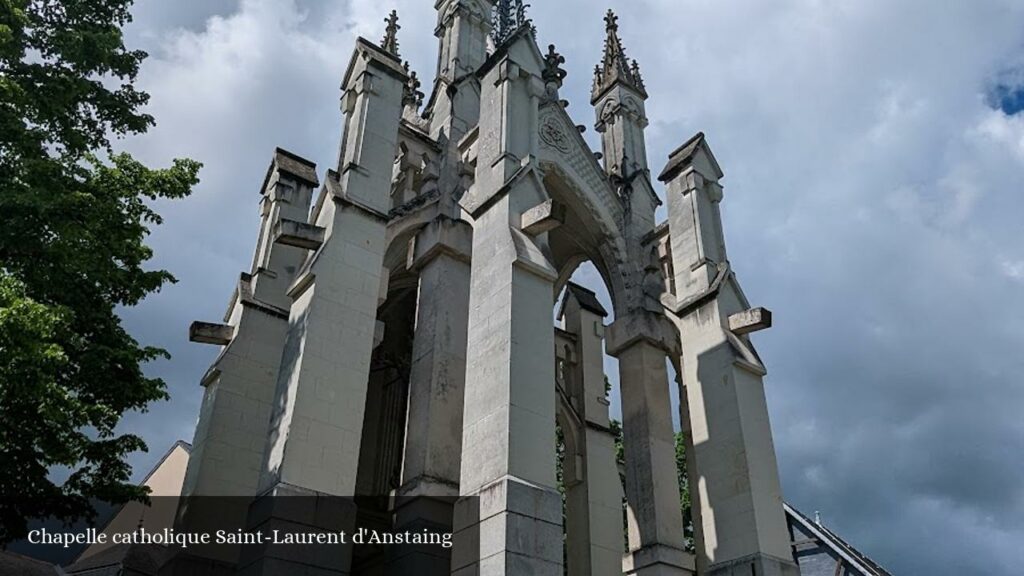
column 1009, row 99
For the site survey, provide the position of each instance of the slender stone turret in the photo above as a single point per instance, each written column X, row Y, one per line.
column 227, row 451
column 641, row 337
column 593, row 493
column 618, row 98
column 615, row 67
column 463, row 30
column 317, row 423
column 253, row 334
column 734, row 478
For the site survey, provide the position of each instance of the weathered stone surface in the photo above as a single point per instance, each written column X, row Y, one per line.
column 317, row 423
column 652, row 486
column 738, row 501
column 750, row 321
column 593, row 493
column 396, row 340
column 546, row 216
column 210, row 333
column 658, row 560
column 299, row 234
column 227, row 449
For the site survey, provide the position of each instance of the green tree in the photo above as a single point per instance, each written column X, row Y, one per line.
column 684, row 491
column 72, row 250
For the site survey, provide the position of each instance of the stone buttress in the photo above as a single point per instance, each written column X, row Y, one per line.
column 734, row 479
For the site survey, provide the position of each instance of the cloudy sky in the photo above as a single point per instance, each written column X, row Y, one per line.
column 874, row 160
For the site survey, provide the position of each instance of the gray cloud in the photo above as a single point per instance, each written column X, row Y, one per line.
column 872, row 201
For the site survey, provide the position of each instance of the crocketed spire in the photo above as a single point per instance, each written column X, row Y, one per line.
column 616, row 67
column 390, row 41
column 509, row 18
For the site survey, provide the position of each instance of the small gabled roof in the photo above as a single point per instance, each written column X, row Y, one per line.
column 389, row 63
column 684, row 155
column 294, row 165
column 586, row 298
column 187, row 447
column 129, row 558
column 14, row 563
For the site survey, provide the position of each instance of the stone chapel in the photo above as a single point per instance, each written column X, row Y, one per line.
column 393, row 338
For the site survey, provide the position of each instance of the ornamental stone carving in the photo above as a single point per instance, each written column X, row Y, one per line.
column 552, row 135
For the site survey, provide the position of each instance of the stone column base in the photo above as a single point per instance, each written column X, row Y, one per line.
column 755, row 565
column 291, row 509
column 510, row 527
column 659, row 560
column 419, row 507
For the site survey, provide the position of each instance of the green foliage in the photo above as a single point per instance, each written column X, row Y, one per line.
column 72, row 250
column 620, row 452
column 684, row 491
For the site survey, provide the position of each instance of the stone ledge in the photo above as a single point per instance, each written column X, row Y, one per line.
column 750, row 321
column 757, row 563
column 642, row 326
column 441, row 236
column 509, row 518
column 210, row 333
column 299, row 234
column 518, row 496
column 685, row 307
column 543, row 217
column 660, row 558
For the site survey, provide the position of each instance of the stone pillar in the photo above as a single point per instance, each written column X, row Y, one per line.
column 509, row 522
column 440, row 253
column 593, row 492
column 640, row 341
column 225, row 459
column 227, row 450
column 462, row 29
column 317, row 424
column 462, row 32
column 740, row 525
column 618, row 98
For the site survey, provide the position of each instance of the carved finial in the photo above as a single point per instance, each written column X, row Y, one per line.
column 553, row 74
column 509, row 18
column 615, row 66
column 611, row 21
column 411, row 95
column 553, row 71
column 390, row 41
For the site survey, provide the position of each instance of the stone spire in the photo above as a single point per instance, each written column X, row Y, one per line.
column 509, row 17
column 390, row 41
column 616, row 67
